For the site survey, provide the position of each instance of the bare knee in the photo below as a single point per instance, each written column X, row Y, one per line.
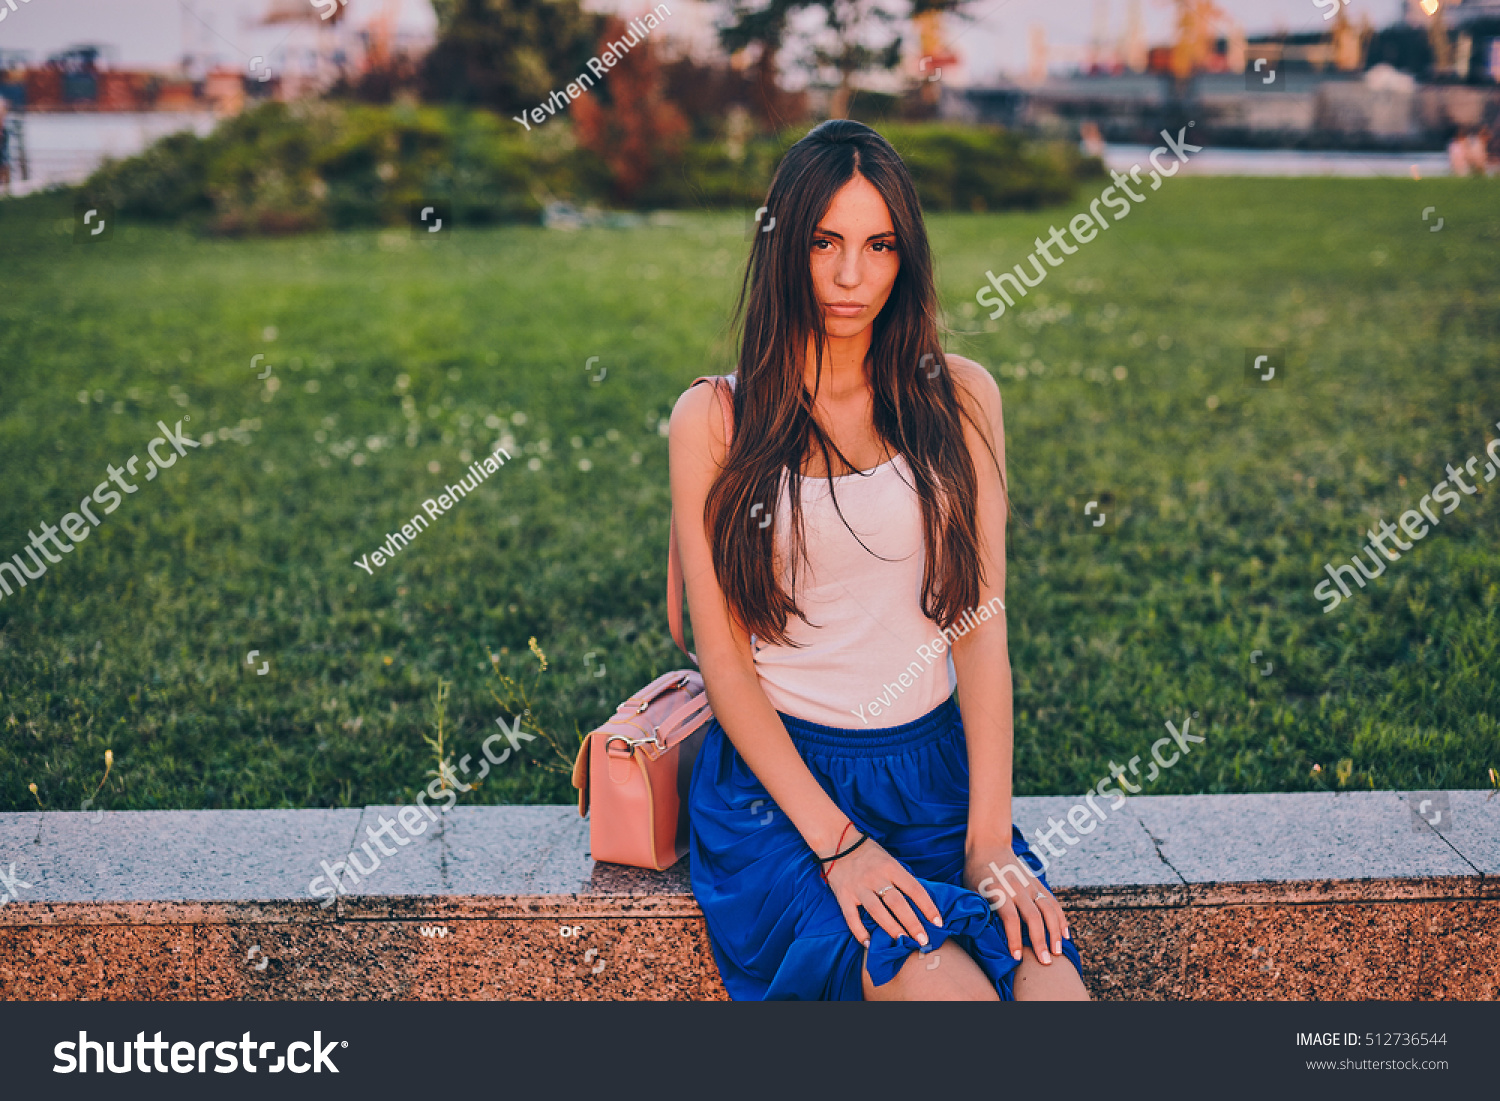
column 946, row 975
column 1057, row 981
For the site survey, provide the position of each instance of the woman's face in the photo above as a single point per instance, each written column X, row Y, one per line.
column 854, row 259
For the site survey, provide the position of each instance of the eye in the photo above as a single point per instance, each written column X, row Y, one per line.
column 884, row 246
column 822, row 241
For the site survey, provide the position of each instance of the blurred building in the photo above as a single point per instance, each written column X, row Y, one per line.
column 1411, row 85
column 288, row 50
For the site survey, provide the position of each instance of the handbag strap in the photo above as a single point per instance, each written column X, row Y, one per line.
column 685, row 720
column 675, row 583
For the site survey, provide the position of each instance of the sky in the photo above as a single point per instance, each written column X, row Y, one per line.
column 154, row 33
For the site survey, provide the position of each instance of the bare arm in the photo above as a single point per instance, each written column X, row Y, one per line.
column 697, row 447
column 981, row 660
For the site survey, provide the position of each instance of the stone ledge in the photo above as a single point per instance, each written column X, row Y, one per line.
column 1229, row 896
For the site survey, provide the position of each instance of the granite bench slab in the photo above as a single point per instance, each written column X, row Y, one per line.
column 1210, row 896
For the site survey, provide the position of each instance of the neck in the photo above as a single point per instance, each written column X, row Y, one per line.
column 843, row 366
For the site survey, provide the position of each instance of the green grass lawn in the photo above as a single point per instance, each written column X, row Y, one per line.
column 397, row 360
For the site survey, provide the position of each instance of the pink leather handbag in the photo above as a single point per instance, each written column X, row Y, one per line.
column 632, row 773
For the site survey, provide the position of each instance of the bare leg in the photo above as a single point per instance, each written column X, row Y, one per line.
column 1057, row 981
column 946, row 975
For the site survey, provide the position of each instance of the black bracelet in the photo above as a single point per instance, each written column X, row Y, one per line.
column 837, row 856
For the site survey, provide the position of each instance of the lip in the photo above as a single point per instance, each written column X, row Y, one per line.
column 845, row 309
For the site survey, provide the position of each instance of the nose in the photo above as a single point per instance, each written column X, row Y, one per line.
column 848, row 273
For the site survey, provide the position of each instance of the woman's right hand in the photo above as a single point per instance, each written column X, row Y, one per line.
column 857, row 880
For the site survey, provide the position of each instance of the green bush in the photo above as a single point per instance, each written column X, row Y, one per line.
column 979, row 169
column 287, row 168
column 709, row 177
column 168, row 180
column 955, row 168
column 283, row 168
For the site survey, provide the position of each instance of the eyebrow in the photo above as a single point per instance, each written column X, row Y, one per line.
column 840, row 236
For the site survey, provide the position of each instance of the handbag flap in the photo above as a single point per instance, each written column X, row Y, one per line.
column 656, row 726
column 689, row 679
column 581, row 777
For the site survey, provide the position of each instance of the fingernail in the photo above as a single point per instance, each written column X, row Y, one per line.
column 1016, row 954
column 1057, row 947
column 936, row 921
column 1046, row 956
column 922, row 938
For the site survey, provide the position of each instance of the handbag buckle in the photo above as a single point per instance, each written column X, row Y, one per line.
column 682, row 683
column 631, row 743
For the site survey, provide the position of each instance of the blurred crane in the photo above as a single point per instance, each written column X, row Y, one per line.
column 379, row 33
column 1198, row 23
column 936, row 53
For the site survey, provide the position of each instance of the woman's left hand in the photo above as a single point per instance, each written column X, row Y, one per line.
column 1015, row 893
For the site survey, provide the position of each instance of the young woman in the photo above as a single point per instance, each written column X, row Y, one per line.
column 841, row 515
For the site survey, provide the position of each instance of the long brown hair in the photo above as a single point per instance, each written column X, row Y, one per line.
column 917, row 410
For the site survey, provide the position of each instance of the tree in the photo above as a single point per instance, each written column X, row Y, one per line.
column 711, row 93
column 857, row 35
column 507, row 55
column 628, row 121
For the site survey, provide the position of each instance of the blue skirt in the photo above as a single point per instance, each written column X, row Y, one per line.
column 776, row 930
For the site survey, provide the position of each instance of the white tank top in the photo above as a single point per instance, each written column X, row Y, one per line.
column 868, row 660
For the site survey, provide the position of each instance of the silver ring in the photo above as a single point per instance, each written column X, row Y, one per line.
column 881, row 894
column 1039, row 896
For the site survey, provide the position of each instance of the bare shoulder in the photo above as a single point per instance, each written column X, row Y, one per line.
column 977, row 387
column 697, row 424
